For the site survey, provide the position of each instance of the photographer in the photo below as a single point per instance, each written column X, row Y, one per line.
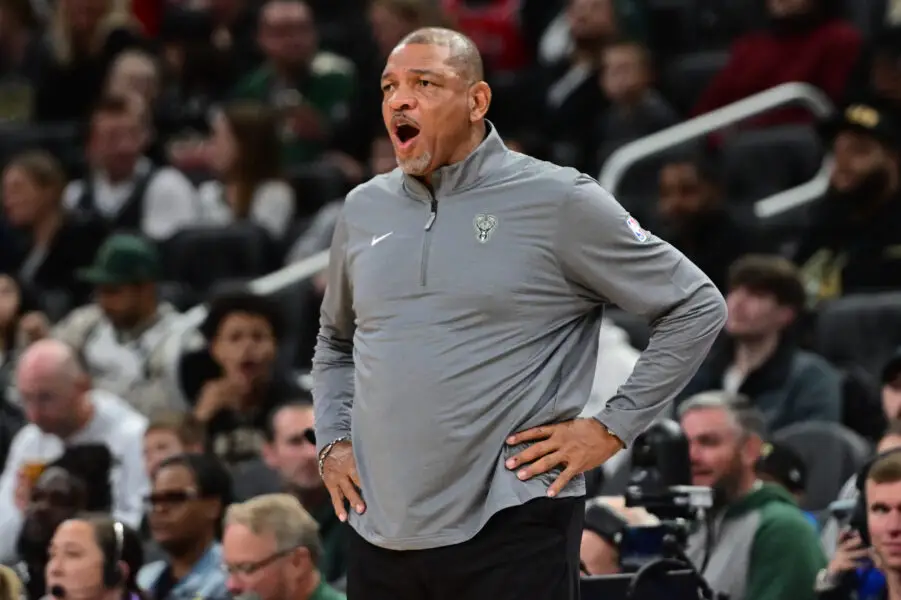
column 874, row 538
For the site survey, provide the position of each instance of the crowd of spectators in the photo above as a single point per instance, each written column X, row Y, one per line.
column 160, row 154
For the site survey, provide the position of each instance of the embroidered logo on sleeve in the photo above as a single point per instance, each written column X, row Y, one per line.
column 635, row 227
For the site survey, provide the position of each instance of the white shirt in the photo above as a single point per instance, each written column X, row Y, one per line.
column 272, row 206
column 114, row 424
column 170, row 202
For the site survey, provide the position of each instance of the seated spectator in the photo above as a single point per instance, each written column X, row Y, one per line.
column 123, row 187
column 63, row 410
column 83, row 39
column 188, row 500
column 20, row 59
column 169, row 434
column 128, row 340
column 758, row 524
column 312, row 89
column 77, row 481
column 759, row 357
column 636, row 108
column 244, row 154
column 81, row 550
column 17, row 311
column 270, row 548
column 692, row 216
column 881, row 498
column 852, row 244
column 290, row 451
column 781, row 465
column 55, row 244
column 242, row 330
column 134, row 72
column 805, row 42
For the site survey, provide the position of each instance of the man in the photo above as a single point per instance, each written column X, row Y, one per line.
column 169, row 434
column 128, row 340
column 756, row 544
column 63, row 410
column 882, row 524
column 458, row 344
column 123, row 187
column 270, row 548
column 852, row 245
column 759, row 357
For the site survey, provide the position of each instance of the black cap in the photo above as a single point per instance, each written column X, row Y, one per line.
column 784, row 465
column 892, row 368
column 870, row 118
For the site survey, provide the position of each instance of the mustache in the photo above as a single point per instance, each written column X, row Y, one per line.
column 399, row 119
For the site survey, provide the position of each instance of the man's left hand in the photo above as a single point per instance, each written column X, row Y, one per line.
column 579, row 445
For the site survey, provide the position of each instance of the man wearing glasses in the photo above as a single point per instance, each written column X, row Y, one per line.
column 270, row 549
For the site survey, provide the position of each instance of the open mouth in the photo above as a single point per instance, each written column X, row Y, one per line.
column 405, row 133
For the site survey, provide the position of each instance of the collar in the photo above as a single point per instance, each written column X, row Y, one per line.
column 771, row 375
column 462, row 175
column 136, row 333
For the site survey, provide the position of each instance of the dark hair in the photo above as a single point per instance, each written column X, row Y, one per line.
column 42, row 168
column 702, row 161
column 249, row 303
column 886, row 468
column 92, row 465
column 184, row 425
column 132, row 551
column 304, row 401
column 770, row 274
column 211, row 477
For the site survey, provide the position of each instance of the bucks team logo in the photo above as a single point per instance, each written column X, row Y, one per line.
column 485, row 226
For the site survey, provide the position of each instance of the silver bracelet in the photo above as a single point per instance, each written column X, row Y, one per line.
column 328, row 448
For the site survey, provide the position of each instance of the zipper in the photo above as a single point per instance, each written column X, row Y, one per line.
column 426, row 240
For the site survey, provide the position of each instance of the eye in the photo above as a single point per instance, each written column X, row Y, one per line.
column 387, row 87
column 425, row 83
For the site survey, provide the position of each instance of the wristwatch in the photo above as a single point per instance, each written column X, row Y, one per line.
column 323, row 454
column 826, row 581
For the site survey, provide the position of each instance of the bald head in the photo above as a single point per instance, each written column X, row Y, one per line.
column 463, row 55
column 49, row 360
column 53, row 388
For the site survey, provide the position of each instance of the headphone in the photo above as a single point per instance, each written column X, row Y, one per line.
column 858, row 520
column 112, row 572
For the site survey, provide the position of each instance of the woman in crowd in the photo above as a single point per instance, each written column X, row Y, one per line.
column 244, row 153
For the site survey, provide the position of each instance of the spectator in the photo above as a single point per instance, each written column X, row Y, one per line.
column 781, row 465
column 190, row 493
column 244, row 154
column 242, row 330
column 290, row 451
column 759, row 357
column 312, row 89
column 758, row 524
column 692, row 216
column 56, row 244
column 78, row 481
column 804, row 42
column 17, row 320
column 20, row 59
column 62, row 410
column 83, row 39
column 169, row 434
column 636, row 108
column 851, row 245
column 271, row 548
column 134, row 71
column 81, row 550
column 123, row 187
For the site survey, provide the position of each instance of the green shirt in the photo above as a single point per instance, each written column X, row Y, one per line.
column 333, row 534
column 326, row 592
column 328, row 87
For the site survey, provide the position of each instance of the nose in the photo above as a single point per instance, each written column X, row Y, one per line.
column 233, row 585
column 401, row 99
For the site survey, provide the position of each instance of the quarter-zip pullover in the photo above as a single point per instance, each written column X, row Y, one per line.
column 458, row 314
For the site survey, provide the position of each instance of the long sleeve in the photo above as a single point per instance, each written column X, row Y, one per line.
column 607, row 256
column 333, row 360
column 10, row 517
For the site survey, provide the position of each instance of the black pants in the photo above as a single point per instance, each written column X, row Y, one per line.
column 524, row 552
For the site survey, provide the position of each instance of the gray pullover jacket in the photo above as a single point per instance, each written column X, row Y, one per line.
column 455, row 318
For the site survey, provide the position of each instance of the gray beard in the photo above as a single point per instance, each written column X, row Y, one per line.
column 416, row 167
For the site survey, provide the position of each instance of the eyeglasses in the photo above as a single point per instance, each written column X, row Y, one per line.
column 171, row 498
column 249, row 568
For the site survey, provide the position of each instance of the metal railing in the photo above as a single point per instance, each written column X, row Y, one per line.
column 788, row 93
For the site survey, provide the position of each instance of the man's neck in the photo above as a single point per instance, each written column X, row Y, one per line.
column 84, row 412
column 477, row 134
column 751, row 353
column 120, row 176
column 184, row 564
column 45, row 228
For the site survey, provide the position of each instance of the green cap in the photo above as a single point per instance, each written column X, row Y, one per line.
column 124, row 259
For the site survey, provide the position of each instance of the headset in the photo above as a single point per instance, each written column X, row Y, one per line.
column 858, row 520
column 112, row 572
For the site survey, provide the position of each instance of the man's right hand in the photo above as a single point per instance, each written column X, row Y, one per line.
column 339, row 473
column 849, row 555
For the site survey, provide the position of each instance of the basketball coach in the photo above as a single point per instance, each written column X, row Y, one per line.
column 458, row 342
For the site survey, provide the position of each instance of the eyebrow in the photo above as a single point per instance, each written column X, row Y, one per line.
column 426, row 72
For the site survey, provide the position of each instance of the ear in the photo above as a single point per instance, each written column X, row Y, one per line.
column 479, row 101
column 268, row 452
column 751, row 450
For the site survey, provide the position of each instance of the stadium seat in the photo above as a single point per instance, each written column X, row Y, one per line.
column 860, row 330
column 760, row 162
column 832, row 453
column 686, row 78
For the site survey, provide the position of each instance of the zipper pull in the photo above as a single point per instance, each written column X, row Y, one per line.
column 433, row 214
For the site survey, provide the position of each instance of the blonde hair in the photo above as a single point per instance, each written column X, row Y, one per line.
column 118, row 15
column 281, row 516
column 10, row 586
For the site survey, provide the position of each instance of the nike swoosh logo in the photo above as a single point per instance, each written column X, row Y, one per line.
column 379, row 238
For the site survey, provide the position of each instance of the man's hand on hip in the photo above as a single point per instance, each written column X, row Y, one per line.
column 579, row 445
column 339, row 473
